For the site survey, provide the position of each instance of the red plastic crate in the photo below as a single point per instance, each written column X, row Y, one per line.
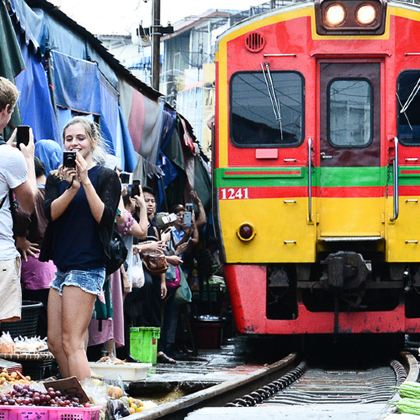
column 48, row 413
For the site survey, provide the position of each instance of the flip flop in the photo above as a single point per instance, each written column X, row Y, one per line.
column 163, row 358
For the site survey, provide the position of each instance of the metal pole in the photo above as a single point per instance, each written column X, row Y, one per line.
column 155, row 44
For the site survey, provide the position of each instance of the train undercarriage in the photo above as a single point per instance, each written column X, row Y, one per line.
column 351, row 289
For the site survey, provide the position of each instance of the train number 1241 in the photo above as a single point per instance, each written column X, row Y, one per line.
column 234, row 193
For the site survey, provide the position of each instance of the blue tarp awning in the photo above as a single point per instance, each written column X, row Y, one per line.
column 36, row 108
column 79, row 86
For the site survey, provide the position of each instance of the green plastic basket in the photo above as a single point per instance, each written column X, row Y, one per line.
column 143, row 344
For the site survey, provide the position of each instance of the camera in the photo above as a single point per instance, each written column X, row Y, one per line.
column 125, row 177
column 163, row 219
column 22, row 135
column 170, row 218
column 69, row 159
column 134, row 188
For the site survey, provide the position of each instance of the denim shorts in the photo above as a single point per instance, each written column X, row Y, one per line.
column 90, row 281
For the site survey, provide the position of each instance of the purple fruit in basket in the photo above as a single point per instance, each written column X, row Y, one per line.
column 75, row 399
column 11, row 401
column 37, row 400
column 58, row 393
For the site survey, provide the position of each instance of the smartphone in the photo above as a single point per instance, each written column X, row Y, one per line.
column 69, row 159
column 135, row 188
column 125, row 177
column 189, row 207
column 187, row 219
column 22, row 135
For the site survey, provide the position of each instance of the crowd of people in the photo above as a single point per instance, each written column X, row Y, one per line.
column 57, row 218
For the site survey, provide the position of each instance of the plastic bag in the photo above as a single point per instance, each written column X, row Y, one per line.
column 137, row 273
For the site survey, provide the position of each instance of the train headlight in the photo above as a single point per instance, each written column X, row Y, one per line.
column 246, row 232
column 366, row 14
column 335, row 14
column 350, row 17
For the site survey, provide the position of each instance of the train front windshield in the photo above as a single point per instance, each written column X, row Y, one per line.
column 266, row 111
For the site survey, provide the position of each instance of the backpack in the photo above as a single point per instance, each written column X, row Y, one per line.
column 117, row 254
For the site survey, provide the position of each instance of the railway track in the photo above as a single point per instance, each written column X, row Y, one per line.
column 296, row 390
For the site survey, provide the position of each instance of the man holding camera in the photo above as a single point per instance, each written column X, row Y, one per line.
column 17, row 175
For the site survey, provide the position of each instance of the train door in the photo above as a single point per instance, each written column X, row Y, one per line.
column 403, row 205
column 350, row 202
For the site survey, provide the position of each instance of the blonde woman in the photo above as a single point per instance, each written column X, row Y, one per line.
column 81, row 201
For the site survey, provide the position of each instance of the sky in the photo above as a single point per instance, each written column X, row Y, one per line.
column 120, row 17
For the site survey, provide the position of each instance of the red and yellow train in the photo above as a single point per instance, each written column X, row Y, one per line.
column 317, row 168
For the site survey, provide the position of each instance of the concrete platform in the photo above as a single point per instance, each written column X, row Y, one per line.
column 209, row 367
column 306, row 412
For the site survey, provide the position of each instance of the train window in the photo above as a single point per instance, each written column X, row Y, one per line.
column 350, row 112
column 266, row 111
column 408, row 103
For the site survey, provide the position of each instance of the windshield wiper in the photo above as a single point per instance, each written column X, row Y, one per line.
column 273, row 96
column 405, row 113
column 411, row 96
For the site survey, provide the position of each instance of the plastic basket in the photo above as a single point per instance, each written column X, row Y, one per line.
column 48, row 413
column 28, row 324
column 38, row 369
column 143, row 344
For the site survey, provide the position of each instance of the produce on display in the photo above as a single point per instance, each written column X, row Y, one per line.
column 28, row 396
column 13, row 377
column 8, row 345
column 108, row 396
column 410, row 398
column 409, row 406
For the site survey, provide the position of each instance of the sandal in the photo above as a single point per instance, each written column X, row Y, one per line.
column 163, row 358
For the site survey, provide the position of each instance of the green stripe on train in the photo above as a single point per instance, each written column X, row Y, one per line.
column 327, row 177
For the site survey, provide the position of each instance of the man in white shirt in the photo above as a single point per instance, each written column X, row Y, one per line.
column 17, row 174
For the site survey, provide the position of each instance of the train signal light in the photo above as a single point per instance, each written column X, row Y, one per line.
column 246, row 232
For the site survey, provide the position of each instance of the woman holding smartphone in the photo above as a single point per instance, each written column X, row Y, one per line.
column 81, row 199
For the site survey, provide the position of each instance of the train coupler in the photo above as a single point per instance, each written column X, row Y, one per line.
column 344, row 270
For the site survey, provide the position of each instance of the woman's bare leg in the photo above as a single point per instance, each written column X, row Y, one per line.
column 55, row 337
column 76, row 314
